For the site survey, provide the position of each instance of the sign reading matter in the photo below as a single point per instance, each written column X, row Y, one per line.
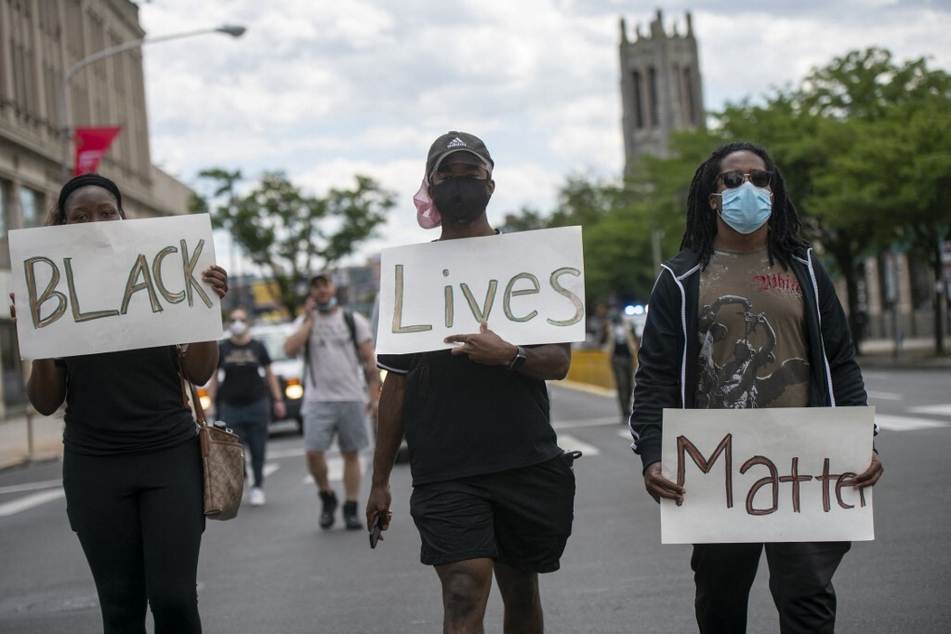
column 767, row 475
column 107, row 286
column 528, row 286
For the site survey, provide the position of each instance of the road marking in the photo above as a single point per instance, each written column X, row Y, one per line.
column 270, row 468
column 570, row 443
column 906, row 423
column 31, row 486
column 937, row 410
column 586, row 422
column 285, row 453
column 886, row 396
column 29, row 501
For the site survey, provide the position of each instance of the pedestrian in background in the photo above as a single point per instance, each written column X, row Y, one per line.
column 620, row 344
column 247, row 394
column 132, row 468
column 493, row 494
column 718, row 337
column 337, row 344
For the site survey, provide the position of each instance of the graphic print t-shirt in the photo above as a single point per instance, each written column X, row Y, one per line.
column 753, row 346
column 243, row 365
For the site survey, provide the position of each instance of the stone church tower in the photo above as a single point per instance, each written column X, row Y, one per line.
column 661, row 90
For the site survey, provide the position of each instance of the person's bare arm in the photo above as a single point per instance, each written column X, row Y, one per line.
column 548, row 361
column 201, row 361
column 389, row 437
column 372, row 375
column 46, row 387
column 280, row 410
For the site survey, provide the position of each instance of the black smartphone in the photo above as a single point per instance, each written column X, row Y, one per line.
column 375, row 530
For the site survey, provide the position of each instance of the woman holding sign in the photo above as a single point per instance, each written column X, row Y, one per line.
column 131, row 462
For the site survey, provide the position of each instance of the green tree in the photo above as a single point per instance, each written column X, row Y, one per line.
column 289, row 233
column 842, row 138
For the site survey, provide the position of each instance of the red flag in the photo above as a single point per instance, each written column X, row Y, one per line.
column 91, row 145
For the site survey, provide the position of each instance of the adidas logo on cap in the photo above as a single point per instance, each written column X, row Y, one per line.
column 456, row 142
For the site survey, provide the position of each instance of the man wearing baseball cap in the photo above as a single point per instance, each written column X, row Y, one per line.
column 337, row 344
column 493, row 494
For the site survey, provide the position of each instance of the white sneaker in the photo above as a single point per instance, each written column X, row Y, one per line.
column 257, row 497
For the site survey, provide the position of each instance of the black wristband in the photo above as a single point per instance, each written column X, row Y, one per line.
column 518, row 359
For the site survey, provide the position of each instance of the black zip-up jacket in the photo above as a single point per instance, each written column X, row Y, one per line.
column 670, row 346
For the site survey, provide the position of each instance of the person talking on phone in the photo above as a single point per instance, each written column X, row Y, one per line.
column 493, row 494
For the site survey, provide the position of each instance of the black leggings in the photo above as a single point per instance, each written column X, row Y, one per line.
column 139, row 519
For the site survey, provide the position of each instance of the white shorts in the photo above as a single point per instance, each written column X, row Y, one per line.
column 324, row 420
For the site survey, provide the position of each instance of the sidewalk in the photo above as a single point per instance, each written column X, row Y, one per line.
column 23, row 441
column 46, row 432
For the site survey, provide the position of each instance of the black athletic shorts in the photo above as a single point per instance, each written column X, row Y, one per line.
column 521, row 517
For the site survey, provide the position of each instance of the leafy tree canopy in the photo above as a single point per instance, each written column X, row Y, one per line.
column 289, row 233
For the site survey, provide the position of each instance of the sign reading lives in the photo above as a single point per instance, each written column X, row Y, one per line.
column 528, row 286
column 107, row 286
column 767, row 475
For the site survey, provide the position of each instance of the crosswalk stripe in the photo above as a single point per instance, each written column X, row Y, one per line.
column 906, row 423
column 32, row 486
column 585, row 422
column 29, row 501
column 885, row 396
column 570, row 443
column 936, row 410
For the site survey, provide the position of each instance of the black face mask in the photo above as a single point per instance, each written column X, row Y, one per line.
column 462, row 199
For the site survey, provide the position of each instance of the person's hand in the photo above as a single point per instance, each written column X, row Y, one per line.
column 484, row 347
column 378, row 503
column 660, row 487
column 217, row 277
column 13, row 308
column 373, row 407
column 310, row 306
column 280, row 410
column 871, row 475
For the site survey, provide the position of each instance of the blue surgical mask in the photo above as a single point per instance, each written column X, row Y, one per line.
column 746, row 208
column 325, row 307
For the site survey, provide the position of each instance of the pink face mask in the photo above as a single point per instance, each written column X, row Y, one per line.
column 427, row 215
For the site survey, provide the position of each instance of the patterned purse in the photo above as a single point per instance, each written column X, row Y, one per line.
column 222, row 457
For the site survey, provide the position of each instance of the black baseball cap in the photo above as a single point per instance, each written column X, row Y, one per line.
column 325, row 277
column 454, row 141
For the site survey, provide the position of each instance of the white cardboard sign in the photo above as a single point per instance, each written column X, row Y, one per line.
column 767, row 475
column 528, row 285
column 107, row 286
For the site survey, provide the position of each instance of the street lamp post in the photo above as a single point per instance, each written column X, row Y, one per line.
column 232, row 30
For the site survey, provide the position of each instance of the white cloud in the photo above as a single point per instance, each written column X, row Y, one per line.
column 326, row 90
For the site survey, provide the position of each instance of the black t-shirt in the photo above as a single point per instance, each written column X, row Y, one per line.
column 127, row 401
column 462, row 418
column 242, row 383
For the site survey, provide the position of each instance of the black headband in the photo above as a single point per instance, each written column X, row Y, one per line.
column 84, row 180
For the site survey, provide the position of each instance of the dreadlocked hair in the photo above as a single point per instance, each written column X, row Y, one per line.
column 783, row 239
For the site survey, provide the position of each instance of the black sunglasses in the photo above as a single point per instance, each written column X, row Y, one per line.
column 759, row 178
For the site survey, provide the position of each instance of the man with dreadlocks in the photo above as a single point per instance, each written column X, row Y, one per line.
column 745, row 316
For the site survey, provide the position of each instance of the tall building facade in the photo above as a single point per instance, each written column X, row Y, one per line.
column 40, row 41
column 661, row 88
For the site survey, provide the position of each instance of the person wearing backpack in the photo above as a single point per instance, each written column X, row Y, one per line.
column 336, row 344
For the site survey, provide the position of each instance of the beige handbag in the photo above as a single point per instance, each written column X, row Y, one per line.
column 222, row 457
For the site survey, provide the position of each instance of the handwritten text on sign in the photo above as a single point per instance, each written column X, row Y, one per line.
column 529, row 286
column 767, row 475
column 107, row 286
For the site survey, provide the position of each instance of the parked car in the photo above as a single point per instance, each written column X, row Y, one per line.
column 289, row 371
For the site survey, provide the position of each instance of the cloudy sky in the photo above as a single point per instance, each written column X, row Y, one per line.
column 326, row 90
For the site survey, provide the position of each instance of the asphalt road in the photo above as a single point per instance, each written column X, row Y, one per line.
column 273, row 570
